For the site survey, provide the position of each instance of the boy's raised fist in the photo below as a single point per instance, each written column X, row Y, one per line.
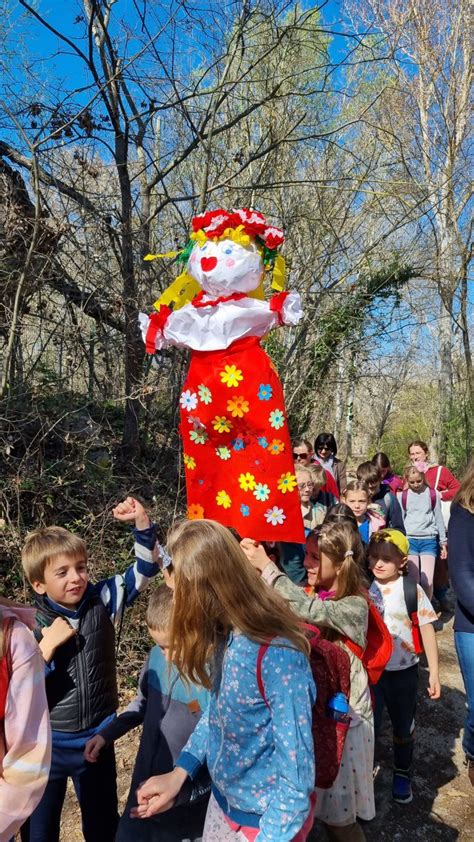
column 131, row 511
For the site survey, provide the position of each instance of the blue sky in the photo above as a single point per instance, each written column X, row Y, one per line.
column 43, row 44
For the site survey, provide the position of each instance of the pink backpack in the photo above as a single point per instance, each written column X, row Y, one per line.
column 377, row 521
column 5, row 668
column 404, row 498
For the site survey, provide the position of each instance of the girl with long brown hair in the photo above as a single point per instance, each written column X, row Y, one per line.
column 256, row 740
column 338, row 604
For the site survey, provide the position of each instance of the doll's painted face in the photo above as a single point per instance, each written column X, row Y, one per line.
column 225, row 267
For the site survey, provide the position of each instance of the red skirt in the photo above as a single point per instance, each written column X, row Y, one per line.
column 237, row 451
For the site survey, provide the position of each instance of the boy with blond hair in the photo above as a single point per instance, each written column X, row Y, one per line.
column 169, row 709
column 76, row 620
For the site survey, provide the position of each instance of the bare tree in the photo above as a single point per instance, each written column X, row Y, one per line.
column 423, row 123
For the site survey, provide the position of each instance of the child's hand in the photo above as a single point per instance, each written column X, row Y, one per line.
column 255, row 553
column 443, row 553
column 54, row 636
column 131, row 511
column 93, row 747
column 158, row 794
column 434, row 687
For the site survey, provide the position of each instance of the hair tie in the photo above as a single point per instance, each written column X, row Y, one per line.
column 348, row 553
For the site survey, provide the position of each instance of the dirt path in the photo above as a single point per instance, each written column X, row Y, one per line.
column 443, row 806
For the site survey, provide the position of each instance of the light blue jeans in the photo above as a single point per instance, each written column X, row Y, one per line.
column 464, row 642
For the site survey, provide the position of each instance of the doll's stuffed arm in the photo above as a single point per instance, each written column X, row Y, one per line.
column 287, row 305
column 152, row 329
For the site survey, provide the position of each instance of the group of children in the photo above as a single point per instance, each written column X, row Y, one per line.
column 227, row 691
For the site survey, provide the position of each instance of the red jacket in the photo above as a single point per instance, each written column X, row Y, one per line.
column 331, row 485
column 447, row 484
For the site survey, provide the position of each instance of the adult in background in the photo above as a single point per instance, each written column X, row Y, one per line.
column 437, row 476
column 302, row 452
column 325, row 450
column 441, row 479
column 303, row 456
column 382, row 462
column 461, row 569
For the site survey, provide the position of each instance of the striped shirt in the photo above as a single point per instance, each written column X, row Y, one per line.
column 117, row 593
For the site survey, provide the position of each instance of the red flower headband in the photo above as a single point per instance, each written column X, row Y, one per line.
column 215, row 222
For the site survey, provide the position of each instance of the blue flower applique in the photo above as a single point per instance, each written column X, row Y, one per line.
column 245, row 510
column 263, row 442
column 265, row 392
column 238, row 443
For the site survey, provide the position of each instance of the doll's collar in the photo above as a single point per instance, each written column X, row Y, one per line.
column 213, row 302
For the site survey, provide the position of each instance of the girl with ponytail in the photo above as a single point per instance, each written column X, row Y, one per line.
column 337, row 604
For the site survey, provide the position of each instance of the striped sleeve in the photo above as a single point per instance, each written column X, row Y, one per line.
column 120, row 591
column 27, row 736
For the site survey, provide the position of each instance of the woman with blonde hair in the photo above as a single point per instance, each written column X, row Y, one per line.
column 461, row 570
column 255, row 737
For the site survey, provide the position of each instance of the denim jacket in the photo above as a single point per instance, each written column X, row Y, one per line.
column 260, row 755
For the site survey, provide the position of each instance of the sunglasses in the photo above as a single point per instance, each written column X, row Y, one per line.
column 300, row 455
column 324, row 447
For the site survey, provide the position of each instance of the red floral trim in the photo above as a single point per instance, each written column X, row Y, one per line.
column 198, row 302
column 276, row 305
column 157, row 323
column 215, row 222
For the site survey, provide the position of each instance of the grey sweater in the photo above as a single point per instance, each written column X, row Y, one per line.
column 420, row 519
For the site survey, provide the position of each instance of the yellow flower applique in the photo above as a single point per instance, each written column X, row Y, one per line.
column 222, row 424
column 287, row 482
column 231, row 376
column 247, row 482
column 223, row 499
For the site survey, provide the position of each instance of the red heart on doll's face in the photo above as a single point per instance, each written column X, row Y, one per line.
column 208, row 263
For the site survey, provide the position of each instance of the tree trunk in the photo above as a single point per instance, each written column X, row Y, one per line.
column 350, row 415
column 445, row 378
column 134, row 349
column 339, row 396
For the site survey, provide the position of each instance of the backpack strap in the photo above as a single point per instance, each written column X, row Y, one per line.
column 5, row 665
column 404, row 499
column 315, row 633
column 261, row 653
column 410, row 593
column 357, row 650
